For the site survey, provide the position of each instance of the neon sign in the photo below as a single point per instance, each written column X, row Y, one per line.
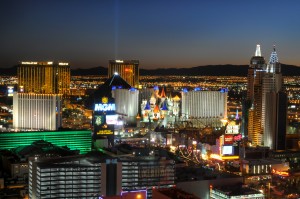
column 237, row 137
column 105, row 107
column 105, row 132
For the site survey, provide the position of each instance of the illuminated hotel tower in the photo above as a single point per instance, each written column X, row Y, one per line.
column 256, row 73
column 44, row 77
column 208, row 107
column 127, row 69
column 36, row 111
column 37, row 105
column 274, row 105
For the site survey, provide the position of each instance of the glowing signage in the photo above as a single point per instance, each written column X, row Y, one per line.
column 27, row 62
column 105, row 132
column 227, row 150
column 63, row 64
column 119, row 61
column 228, row 139
column 105, row 107
column 111, row 119
column 237, row 137
column 104, row 100
column 99, row 120
column 49, row 62
column 232, row 129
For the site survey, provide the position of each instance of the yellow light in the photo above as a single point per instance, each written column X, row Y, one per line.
column 119, row 61
column 49, row 62
column 230, row 157
column 215, row 156
column 63, row 64
column 204, row 156
column 34, row 63
column 139, row 196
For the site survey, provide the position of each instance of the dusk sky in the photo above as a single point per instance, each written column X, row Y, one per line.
column 158, row 33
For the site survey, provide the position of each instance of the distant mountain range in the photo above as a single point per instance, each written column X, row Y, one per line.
column 211, row 70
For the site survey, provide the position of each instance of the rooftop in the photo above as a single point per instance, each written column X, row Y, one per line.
column 237, row 190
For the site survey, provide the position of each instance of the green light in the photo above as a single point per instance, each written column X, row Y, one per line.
column 75, row 140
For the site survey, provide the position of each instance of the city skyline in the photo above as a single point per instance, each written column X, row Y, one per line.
column 168, row 34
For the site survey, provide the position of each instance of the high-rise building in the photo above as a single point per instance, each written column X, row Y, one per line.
column 127, row 69
column 267, row 111
column 275, row 122
column 37, row 105
column 36, row 111
column 44, row 77
column 208, row 107
column 274, row 105
column 256, row 73
column 257, row 63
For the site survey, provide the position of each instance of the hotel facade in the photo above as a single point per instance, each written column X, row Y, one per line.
column 209, row 107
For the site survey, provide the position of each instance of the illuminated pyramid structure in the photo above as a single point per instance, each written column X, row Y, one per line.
column 115, row 103
column 113, row 83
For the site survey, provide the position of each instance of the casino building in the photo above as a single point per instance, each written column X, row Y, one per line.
column 75, row 140
column 38, row 102
column 37, row 111
column 115, row 104
column 208, row 107
column 46, row 77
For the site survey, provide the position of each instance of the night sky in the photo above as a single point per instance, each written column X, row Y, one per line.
column 159, row 33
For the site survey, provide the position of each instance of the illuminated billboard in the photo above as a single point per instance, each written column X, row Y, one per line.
column 105, row 107
column 237, row 138
column 228, row 139
column 99, row 120
column 227, row 150
column 111, row 119
column 232, row 129
column 105, row 132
